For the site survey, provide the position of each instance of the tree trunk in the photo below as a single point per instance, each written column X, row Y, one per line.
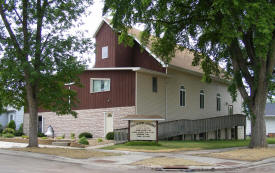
column 33, row 118
column 258, row 128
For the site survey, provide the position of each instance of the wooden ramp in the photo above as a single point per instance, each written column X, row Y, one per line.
column 168, row 129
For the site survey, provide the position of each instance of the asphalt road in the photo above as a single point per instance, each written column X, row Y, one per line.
column 21, row 164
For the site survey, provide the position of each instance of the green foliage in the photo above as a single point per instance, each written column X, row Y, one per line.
column 39, row 134
column 85, row 134
column 8, row 135
column 25, row 137
column 110, row 136
column 19, row 132
column 59, row 137
column 42, row 54
column 83, row 140
column 72, row 136
column 8, row 130
column 238, row 34
column 44, row 137
column 63, row 136
column 99, row 140
column 12, row 124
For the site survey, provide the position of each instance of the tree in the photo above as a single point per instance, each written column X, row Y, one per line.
column 238, row 33
column 39, row 55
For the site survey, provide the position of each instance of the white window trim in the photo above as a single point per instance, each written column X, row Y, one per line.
column 42, row 123
column 184, row 95
column 203, row 98
column 107, row 56
column 91, row 84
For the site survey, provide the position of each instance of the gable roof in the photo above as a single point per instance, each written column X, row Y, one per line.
column 182, row 59
column 270, row 109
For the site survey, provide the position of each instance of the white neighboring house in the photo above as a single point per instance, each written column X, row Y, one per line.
column 269, row 120
column 12, row 114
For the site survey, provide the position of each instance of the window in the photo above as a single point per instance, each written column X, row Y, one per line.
column 230, row 109
column 218, row 102
column 201, row 99
column 104, row 52
column 182, row 96
column 40, row 124
column 100, row 85
column 11, row 117
column 155, row 84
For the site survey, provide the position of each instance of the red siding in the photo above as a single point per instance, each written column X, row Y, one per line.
column 105, row 37
column 122, row 91
column 145, row 60
column 124, row 55
column 120, row 55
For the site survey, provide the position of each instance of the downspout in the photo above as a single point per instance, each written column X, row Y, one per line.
column 136, row 92
column 166, row 95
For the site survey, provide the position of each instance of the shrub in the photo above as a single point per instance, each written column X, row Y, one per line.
column 63, row 136
column 99, row 140
column 83, row 140
column 44, row 137
column 39, row 134
column 19, row 132
column 12, row 124
column 110, row 136
column 59, row 137
column 85, row 134
column 8, row 130
column 72, row 136
column 8, row 135
column 25, row 137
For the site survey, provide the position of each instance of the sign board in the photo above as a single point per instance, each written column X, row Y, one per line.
column 143, row 130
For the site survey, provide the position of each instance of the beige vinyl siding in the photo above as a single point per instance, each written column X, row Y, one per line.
column 151, row 103
column 147, row 101
column 193, row 85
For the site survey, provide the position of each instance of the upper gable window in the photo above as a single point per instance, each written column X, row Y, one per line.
column 105, row 52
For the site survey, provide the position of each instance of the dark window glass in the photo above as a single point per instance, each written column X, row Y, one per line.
column 182, row 96
column 201, row 99
column 155, row 84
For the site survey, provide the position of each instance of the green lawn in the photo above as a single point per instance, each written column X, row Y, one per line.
column 183, row 145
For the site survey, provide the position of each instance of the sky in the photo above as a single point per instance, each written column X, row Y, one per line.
column 91, row 23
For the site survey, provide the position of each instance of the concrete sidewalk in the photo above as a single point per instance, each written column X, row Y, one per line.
column 128, row 157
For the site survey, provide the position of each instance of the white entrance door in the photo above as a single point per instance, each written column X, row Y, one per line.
column 108, row 122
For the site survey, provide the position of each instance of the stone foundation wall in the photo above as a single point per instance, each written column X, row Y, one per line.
column 89, row 120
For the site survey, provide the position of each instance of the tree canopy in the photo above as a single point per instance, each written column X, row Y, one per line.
column 40, row 52
column 239, row 33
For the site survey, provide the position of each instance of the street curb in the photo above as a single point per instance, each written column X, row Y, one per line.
column 212, row 169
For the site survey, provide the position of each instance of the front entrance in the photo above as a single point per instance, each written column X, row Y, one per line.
column 108, row 123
